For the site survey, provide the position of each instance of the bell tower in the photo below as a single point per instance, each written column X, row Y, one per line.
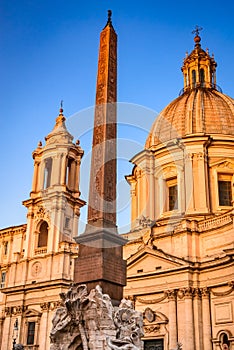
column 54, row 203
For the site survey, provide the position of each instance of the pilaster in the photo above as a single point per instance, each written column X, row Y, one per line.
column 206, row 313
column 173, row 336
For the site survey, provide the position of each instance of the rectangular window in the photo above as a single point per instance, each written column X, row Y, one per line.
column 153, row 344
column 67, row 223
column 173, row 200
column 225, row 190
column 31, row 333
column 171, row 194
column 3, row 279
column 5, row 248
column 47, row 173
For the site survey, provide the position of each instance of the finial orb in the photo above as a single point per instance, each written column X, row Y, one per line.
column 197, row 39
column 77, row 142
column 39, row 144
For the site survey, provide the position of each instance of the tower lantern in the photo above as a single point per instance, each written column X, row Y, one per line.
column 199, row 68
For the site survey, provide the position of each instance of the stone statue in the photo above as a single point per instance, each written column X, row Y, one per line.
column 178, row 346
column 88, row 321
column 18, row 347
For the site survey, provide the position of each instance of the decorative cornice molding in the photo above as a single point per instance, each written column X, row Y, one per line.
column 227, row 292
column 15, row 310
column 152, row 329
column 50, row 305
column 152, row 301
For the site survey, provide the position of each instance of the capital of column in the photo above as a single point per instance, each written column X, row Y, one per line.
column 197, row 293
column 205, row 292
column 171, row 294
column 186, row 292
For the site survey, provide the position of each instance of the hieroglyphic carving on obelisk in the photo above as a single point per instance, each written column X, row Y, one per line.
column 102, row 191
column 100, row 261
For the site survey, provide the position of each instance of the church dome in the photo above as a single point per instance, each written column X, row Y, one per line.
column 199, row 111
column 201, row 108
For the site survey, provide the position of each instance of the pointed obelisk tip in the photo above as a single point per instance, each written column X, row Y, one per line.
column 61, row 108
column 109, row 21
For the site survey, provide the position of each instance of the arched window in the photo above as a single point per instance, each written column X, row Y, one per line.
column 224, row 341
column 43, row 235
column 47, row 173
column 194, row 78
column 202, row 77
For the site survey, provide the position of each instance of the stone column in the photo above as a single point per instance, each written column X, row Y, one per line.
column 35, row 177
column 77, row 172
column 151, row 203
column 41, row 176
column 55, row 171
column 188, row 183
column 139, row 193
column 72, row 175
column 63, row 169
column 134, row 210
column 189, row 322
column 172, row 319
column 206, row 319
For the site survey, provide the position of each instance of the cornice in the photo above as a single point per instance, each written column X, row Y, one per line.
column 172, row 295
column 13, row 230
column 58, row 283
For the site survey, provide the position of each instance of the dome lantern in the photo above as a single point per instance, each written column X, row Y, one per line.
column 199, row 68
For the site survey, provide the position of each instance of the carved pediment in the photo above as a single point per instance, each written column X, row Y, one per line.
column 153, row 321
column 32, row 313
column 224, row 164
column 149, row 260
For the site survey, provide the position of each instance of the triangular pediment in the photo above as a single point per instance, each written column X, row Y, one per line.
column 223, row 164
column 149, row 260
column 32, row 313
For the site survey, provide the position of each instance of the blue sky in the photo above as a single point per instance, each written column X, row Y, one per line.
column 49, row 52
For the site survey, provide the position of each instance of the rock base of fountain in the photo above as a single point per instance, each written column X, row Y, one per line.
column 88, row 321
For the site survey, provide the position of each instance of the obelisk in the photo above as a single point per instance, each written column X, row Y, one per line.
column 100, row 246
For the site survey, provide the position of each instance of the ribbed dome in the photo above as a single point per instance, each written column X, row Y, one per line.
column 197, row 111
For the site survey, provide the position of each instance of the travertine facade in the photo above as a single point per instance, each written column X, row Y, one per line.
column 37, row 259
column 181, row 246
column 180, row 267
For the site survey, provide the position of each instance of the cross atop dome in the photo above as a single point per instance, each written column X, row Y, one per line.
column 197, row 30
column 197, row 38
